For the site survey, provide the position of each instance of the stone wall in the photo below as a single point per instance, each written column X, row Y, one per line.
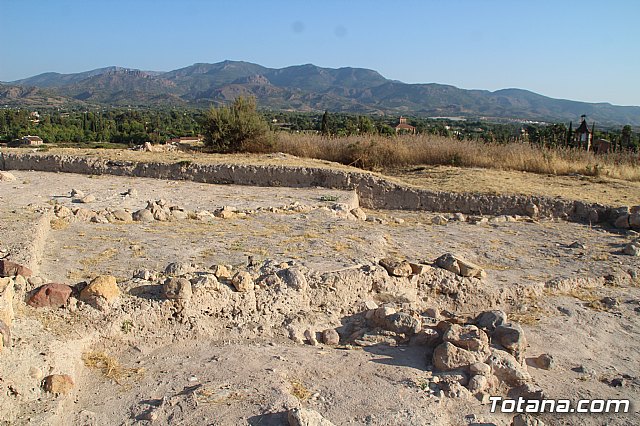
column 374, row 192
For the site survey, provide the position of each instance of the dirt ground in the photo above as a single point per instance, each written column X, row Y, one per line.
column 226, row 357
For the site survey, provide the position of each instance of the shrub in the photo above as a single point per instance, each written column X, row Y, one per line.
column 237, row 128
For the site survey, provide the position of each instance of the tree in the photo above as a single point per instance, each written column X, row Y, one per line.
column 625, row 136
column 324, row 128
column 237, row 128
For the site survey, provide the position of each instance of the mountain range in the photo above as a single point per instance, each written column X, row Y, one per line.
column 299, row 88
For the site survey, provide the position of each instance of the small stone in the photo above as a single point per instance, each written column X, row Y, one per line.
column 243, row 282
column 467, row 337
column 419, row 268
column 179, row 269
column 396, row 267
column 460, row 266
column 425, row 337
column 143, row 215
column 306, row 417
column 225, row 212
column 294, row 278
column 53, row 295
column 448, row 357
column 402, row 323
column 86, row 199
column 489, row 320
column 122, row 215
column 62, row 212
column 330, row 337
column 370, row 304
column 104, row 286
column 632, row 249
column 6, row 176
column 480, row 368
column 532, row 210
column 478, row 383
column 221, row 271
column 77, row 193
column 179, row 214
column 545, row 361
column 36, row 373
column 132, row 192
column 177, row 288
column 439, row 220
column 511, row 337
column 58, row 384
column 359, row 214
column 507, row 368
column 142, row 274
column 311, row 337
column 459, row 217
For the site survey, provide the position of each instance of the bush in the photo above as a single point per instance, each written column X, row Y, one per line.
column 237, row 128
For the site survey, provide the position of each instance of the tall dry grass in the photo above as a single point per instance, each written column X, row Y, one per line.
column 378, row 153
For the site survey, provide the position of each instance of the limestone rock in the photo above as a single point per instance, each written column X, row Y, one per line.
column 403, row 323
column 439, row 220
column 359, row 214
column 143, row 215
column 311, row 337
column 6, row 177
column 532, row 210
column 511, row 337
column 633, row 248
column 177, row 288
column 507, row 368
column 122, row 215
column 480, row 368
column 396, row 267
column 82, row 214
column 61, row 211
column 7, row 292
column 52, row 295
column 5, row 335
column 10, row 269
column 293, row 277
column 448, row 356
column 460, row 266
column 330, row 337
column 176, row 269
column 545, row 361
column 478, row 383
column 104, row 286
column 225, row 212
column 243, row 282
column 58, row 384
column 467, row 337
column 306, row 417
column 86, row 199
column 425, row 337
column 221, row 272
column 77, row 193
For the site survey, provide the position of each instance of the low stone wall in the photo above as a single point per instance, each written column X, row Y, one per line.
column 373, row 191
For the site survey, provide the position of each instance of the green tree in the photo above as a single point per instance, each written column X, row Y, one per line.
column 237, row 128
column 324, row 127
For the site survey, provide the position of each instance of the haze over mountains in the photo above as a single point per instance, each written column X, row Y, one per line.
column 301, row 88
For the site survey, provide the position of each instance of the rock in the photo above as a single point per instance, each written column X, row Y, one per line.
column 425, row 337
column 545, row 361
column 5, row 335
column 131, row 192
column 480, row 368
column 419, row 268
column 378, row 316
column 330, row 337
column 179, row 214
column 459, row 217
column 58, row 384
column 82, row 214
column 10, row 269
column 634, row 220
column 204, row 216
column 177, row 288
column 243, row 282
column 204, row 281
column 359, row 214
column 6, row 177
column 306, row 417
column 143, row 215
column 396, row 267
column 439, row 220
column 225, row 212
column 104, row 286
column 7, row 293
column 622, row 222
column 162, row 215
column 526, row 420
column 294, row 278
column 467, row 337
column 122, row 215
column 53, row 295
column 460, row 266
column 86, row 199
column 61, row 211
column 632, row 249
column 311, row 337
column 511, row 337
column 221, row 272
column 176, row 269
column 77, row 193
column 478, row 383
column 489, row 320
column 532, row 210
column 447, row 357
column 507, row 368
column 402, row 323
column 143, row 274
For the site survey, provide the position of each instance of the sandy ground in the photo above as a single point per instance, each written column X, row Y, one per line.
column 223, row 361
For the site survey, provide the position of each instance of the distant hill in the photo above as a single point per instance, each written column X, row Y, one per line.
column 304, row 88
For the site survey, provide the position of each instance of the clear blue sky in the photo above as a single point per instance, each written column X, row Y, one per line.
column 581, row 50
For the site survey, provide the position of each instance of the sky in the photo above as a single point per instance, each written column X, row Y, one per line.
column 580, row 50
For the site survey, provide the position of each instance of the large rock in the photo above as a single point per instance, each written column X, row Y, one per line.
column 633, row 248
column 122, row 215
column 52, row 295
column 507, row 368
column 467, row 337
column 293, row 277
column 306, row 417
column 177, row 288
column 177, row 269
column 10, row 269
column 330, row 337
column 403, row 323
column 622, row 222
column 460, row 266
column 448, row 356
column 511, row 337
column 143, row 215
column 104, row 286
column 58, row 384
column 396, row 267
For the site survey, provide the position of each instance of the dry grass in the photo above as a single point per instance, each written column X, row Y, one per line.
column 378, row 153
column 299, row 390
column 58, row 224
column 111, row 368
